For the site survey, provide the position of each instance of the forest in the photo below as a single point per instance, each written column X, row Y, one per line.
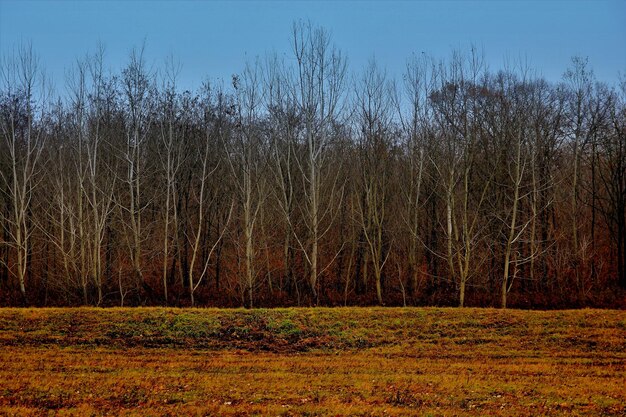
column 302, row 182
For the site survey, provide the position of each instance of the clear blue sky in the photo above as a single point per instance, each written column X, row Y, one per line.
column 214, row 39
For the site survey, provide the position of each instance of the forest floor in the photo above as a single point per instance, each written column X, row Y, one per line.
column 312, row 361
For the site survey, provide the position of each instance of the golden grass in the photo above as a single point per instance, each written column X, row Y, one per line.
column 348, row 361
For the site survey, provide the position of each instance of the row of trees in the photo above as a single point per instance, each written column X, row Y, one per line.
column 302, row 184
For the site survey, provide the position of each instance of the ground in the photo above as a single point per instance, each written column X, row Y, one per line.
column 296, row 362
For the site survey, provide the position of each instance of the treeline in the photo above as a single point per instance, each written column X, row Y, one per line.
column 302, row 183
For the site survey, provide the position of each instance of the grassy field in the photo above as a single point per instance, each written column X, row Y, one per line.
column 293, row 362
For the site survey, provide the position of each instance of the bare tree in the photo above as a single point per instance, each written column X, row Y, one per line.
column 26, row 95
column 545, row 114
column 207, row 167
column 416, row 120
column 612, row 173
column 284, row 127
column 172, row 139
column 137, row 85
column 579, row 129
column 514, row 107
column 317, row 88
column 456, row 184
column 246, row 158
column 374, row 114
column 457, row 104
column 94, row 187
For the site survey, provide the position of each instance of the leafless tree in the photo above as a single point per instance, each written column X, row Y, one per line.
column 284, row 127
column 246, row 158
column 374, row 112
column 172, row 139
column 26, row 96
column 138, row 90
column 317, row 87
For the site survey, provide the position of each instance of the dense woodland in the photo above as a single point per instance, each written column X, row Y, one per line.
column 306, row 182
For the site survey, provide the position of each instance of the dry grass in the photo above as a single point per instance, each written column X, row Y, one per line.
column 354, row 361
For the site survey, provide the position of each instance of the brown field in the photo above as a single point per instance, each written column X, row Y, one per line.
column 308, row 362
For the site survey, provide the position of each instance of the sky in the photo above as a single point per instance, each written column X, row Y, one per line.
column 213, row 39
